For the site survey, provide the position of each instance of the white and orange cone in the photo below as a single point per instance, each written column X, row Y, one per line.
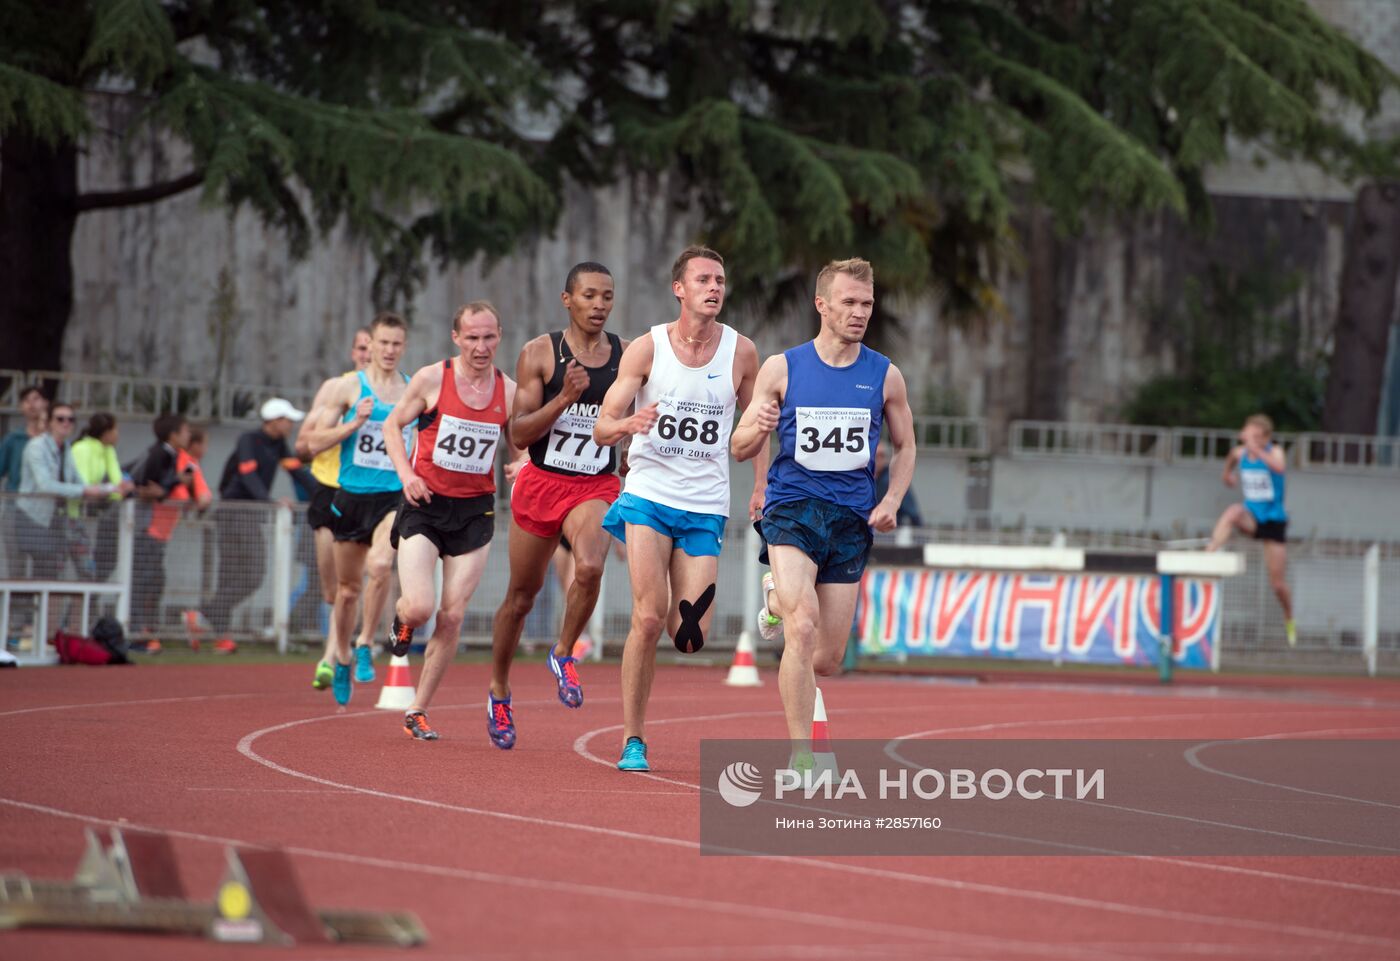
column 744, row 672
column 823, row 758
column 397, row 693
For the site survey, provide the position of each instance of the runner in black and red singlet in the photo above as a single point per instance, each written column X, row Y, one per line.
column 565, row 488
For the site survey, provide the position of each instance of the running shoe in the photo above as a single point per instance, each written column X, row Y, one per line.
column 1290, row 629
column 340, row 684
column 500, row 726
column 566, row 674
column 634, row 756
column 226, row 645
column 582, row 647
column 400, row 638
column 324, row 676
column 364, row 665
column 770, row 628
column 415, row 725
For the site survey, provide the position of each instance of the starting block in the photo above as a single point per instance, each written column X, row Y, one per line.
column 133, row 883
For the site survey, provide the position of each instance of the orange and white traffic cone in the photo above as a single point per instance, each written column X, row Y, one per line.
column 744, row 672
column 823, row 757
column 397, row 693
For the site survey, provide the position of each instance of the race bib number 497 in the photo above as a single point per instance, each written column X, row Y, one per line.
column 465, row 446
column 833, row 438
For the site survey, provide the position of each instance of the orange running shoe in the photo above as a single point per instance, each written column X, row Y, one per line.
column 415, row 725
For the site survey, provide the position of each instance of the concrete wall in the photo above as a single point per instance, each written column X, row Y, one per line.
column 180, row 290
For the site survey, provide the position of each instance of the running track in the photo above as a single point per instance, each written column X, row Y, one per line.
column 547, row 852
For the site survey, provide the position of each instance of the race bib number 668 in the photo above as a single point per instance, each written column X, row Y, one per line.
column 465, row 446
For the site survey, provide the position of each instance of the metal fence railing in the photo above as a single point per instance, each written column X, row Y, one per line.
column 1348, row 453
column 965, row 436
column 144, row 396
column 248, row 571
column 1102, row 442
column 1191, row 445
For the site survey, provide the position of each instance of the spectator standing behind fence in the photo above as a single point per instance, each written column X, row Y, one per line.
column 95, row 456
column 35, row 407
column 159, row 475
column 247, row 476
column 49, row 473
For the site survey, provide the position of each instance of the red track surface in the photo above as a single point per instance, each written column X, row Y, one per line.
column 547, row 851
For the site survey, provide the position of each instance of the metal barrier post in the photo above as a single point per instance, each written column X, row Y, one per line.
column 1166, row 642
column 281, row 575
column 752, row 572
column 126, row 540
column 1371, row 606
column 595, row 620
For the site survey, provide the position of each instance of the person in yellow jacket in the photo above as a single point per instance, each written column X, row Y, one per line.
column 95, row 457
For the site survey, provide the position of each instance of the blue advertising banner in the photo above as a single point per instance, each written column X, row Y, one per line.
column 1088, row 618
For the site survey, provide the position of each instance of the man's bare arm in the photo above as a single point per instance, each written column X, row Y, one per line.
column 614, row 423
column 900, row 421
column 329, row 426
column 406, row 413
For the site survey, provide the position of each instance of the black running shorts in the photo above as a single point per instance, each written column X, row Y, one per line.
column 455, row 525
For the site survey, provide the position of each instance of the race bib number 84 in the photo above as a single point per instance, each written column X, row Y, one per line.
column 369, row 446
column 833, row 438
column 465, row 446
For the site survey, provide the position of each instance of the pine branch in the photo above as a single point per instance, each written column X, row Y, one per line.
column 50, row 111
column 106, row 200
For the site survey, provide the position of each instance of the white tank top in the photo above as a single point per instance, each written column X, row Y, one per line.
column 683, row 462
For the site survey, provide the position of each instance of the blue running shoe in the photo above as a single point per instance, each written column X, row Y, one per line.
column 364, row 665
column 499, row 723
column 340, row 684
column 566, row 673
column 634, row 756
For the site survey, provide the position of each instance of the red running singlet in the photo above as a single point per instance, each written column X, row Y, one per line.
column 456, row 450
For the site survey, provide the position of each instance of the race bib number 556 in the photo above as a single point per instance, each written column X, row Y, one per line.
column 465, row 446
column 833, row 438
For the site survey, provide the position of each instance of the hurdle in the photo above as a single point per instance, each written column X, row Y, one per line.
column 133, row 883
column 1086, row 605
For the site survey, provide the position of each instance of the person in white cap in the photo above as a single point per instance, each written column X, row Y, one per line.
column 248, row 476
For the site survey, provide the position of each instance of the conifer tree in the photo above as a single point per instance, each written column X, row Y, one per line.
column 801, row 129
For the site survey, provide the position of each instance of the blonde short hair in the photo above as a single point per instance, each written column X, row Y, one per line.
column 857, row 268
column 1261, row 421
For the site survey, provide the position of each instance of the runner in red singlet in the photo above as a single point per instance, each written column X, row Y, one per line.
column 460, row 407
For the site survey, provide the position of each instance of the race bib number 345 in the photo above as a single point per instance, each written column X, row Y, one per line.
column 833, row 438
column 465, row 446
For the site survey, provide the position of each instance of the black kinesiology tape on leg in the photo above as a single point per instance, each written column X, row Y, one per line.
column 688, row 637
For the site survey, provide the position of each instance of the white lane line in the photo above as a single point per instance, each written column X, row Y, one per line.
column 723, row 908
column 245, row 747
column 892, row 751
column 1115, row 907
column 144, row 703
column 1193, row 758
